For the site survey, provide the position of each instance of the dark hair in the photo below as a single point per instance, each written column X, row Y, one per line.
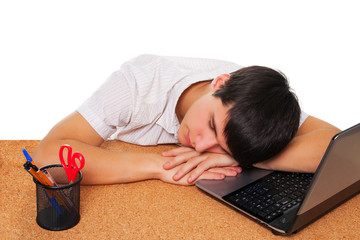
column 264, row 116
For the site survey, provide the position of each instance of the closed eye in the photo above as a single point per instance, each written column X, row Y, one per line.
column 212, row 124
column 213, row 127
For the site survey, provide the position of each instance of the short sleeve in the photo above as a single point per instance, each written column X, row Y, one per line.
column 303, row 116
column 109, row 107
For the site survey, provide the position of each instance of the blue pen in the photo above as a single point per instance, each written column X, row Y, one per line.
column 53, row 202
column 51, row 199
column 27, row 156
column 32, row 170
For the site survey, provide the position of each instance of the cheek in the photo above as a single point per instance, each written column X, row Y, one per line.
column 198, row 120
column 199, row 112
column 197, row 117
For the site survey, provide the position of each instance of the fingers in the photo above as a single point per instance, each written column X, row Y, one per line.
column 210, row 176
column 227, row 171
column 201, row 168
column 197, row 166
column 213, row 175
column 208, row 167
column 179, row 156
column 205, row 175
column 188, row 166
column 176, row 151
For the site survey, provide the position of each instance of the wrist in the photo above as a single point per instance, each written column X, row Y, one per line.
column 137, row 166
column 153, row 167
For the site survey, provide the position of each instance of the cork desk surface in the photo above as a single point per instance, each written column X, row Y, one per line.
column 144, row 210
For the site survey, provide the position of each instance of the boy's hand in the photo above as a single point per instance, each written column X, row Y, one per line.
column 167, row 176
column 194, row 164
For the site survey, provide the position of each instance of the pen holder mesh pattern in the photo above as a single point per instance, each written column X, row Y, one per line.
column 58, row 206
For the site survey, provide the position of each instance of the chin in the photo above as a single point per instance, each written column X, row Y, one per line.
column 180, row 140
column 181, row 137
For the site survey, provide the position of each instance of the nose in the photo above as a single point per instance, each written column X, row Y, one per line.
column 202, row 143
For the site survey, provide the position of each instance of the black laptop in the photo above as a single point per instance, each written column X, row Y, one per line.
column 286, row 202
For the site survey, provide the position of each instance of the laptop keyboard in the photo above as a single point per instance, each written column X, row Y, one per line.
column 272, row 195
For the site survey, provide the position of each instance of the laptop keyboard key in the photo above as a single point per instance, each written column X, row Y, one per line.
column 269, row 197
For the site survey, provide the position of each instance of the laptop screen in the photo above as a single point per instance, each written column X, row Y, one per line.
column 339, row 168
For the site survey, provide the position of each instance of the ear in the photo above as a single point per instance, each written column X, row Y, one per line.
column 219, row 81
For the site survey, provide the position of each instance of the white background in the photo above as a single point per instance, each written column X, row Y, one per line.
column 54, row 54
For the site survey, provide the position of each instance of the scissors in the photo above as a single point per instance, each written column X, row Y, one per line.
column 71, row 168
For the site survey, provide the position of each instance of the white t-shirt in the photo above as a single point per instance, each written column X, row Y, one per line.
column 137, row 103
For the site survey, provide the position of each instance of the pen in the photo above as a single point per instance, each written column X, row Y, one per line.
column 32, row 165
column 29, row 168
column 27, row 156
column 68, row 201
column 42, row 175
column 45, row 180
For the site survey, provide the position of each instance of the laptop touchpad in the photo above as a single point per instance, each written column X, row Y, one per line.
column 220, row 188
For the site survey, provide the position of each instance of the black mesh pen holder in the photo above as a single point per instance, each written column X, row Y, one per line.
column 58, row 206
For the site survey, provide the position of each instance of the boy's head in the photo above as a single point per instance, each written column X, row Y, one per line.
column 264, row 114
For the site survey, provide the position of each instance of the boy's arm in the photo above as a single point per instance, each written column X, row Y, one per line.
column 305, row 151
column 102, row 166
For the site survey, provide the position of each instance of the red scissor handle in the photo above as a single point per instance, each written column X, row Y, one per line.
column 71, row 168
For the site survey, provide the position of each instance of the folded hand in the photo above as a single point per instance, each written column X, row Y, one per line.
column 188, row 165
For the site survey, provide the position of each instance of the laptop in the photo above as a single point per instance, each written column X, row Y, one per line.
column 286, row 202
